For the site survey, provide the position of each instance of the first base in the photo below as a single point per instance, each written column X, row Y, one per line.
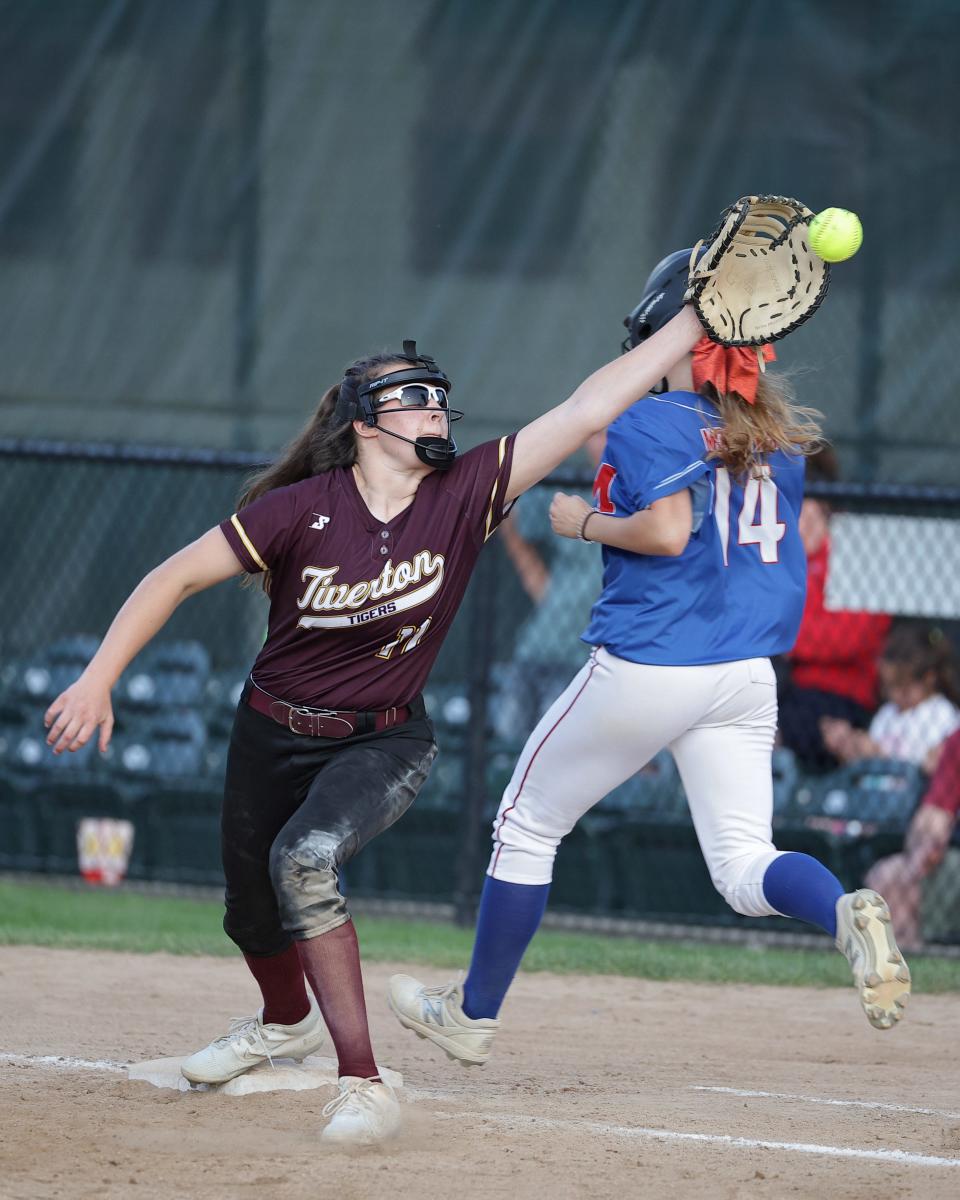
column 283, row 1075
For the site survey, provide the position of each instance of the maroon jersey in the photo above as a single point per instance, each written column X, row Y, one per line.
column 359, row 607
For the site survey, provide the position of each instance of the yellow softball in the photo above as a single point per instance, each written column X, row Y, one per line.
column 835, row 234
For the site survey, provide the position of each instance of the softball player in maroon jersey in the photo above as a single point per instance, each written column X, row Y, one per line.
column 365, row 531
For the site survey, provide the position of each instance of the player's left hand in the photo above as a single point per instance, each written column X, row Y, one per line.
column 567, row 514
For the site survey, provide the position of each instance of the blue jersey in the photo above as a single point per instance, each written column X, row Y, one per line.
column 737, row 590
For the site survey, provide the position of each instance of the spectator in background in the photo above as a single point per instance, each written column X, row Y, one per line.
column 918, row 678
column 922, row 884
column 832, row 669
column 563, row 588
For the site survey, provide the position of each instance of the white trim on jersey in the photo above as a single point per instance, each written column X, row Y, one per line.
column 689, row 407
column 697, row 462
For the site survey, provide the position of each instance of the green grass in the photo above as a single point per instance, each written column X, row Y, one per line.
column 38, row 915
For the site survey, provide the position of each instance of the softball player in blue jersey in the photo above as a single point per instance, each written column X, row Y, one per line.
column 696, row 503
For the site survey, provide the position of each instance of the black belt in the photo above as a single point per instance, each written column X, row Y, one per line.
column 324, row 722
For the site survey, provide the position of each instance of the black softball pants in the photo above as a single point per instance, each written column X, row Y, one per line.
column 296, row 808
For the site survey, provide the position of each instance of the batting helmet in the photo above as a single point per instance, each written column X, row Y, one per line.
column 662, row 298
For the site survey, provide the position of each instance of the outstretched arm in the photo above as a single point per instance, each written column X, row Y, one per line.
column 85, row 706
column 542, row 445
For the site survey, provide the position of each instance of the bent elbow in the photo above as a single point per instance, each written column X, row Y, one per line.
column 664, row 544
column 674, row 541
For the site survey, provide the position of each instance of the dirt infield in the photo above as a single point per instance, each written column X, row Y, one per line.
column 598, row 1087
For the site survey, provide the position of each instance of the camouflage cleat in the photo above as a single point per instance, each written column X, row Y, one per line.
column 865, row 936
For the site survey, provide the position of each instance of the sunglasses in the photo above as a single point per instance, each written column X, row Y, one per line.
column 416, row 395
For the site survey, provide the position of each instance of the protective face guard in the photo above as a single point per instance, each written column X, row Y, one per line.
column 436, row 452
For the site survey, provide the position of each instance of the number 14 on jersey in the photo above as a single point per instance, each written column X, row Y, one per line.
column 758, row 521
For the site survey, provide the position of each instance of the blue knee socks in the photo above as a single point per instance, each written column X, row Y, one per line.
column 509, row 916
column 799, row 886
column 510, row 913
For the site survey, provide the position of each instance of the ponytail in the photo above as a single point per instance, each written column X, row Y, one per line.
column 323, row 444
column 773, row 422
column 320, row 446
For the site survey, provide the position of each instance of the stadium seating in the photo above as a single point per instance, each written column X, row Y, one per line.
column 21, row 847
column 170, row 674
column 40, row 677
column 636, row 852
column 165, row 745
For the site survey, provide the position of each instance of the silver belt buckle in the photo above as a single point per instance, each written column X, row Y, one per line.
column 294, row 726
column 315, row 719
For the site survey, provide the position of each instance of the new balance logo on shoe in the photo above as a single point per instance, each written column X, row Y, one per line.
column 436, row 1013
column 432, row 1010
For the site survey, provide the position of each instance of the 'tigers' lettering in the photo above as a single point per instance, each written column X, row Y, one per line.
column 372, row 614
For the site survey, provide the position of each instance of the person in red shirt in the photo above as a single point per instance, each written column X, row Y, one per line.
column 920, row 883
column 832, row 668
column 365, row 532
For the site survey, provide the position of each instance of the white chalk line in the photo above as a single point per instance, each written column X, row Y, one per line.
column 63, row 1061
column 513, row 1120
column 510, row 1122
column 871, row 1104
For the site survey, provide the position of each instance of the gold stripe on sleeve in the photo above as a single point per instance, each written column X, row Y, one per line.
column 493, row 494
column 251, row 549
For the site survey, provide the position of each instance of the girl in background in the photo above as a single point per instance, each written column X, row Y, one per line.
column 832, row 669
column 922, row 883
column 918, row 678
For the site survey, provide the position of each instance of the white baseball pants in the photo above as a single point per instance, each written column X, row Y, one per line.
column 719, row 723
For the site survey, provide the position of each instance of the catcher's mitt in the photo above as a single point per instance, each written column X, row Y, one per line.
column 758, row 277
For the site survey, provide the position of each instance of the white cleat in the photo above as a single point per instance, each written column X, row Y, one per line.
column 865, row 936
column 436, row 1013
column 250, row 1042
column 365, row 1112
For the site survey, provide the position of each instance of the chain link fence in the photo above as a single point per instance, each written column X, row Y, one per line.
column 208, row 208
column 867, row 746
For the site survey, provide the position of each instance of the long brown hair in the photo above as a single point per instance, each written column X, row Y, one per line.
column 322, row 444
column 774, row 422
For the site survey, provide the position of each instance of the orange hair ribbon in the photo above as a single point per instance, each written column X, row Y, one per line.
column 730, row 368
